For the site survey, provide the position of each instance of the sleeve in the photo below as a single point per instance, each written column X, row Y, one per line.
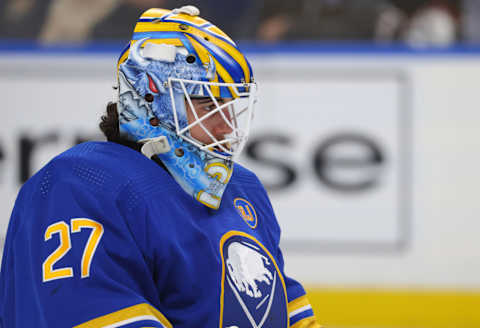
column 300, row 311
column 7, row 280
column 79, row 262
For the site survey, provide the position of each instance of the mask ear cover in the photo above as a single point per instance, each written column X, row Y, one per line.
column 155, row 146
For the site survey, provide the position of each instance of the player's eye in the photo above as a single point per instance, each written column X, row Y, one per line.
column 209, row 107
column 207, row 104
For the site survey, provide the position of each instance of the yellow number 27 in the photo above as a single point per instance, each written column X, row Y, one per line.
column 63, row 230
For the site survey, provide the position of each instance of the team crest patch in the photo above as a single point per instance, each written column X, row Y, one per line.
column 246, row 211
column 253, row 291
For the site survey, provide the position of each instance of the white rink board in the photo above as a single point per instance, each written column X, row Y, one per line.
column 418, row 225
column 314, row 106
column 51, row 101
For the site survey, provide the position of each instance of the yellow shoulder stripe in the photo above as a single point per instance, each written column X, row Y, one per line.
column 298, row 303
column 127, row 315
column 309, row 322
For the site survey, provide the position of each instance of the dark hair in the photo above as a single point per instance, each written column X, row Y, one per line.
column 109, row 124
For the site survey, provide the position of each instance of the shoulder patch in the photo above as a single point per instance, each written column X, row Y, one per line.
column 246, row 210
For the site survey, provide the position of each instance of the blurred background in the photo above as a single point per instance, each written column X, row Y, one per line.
column 366, row 135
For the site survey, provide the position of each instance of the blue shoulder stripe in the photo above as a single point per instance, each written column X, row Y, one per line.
column 300, row 316
column 142, row 324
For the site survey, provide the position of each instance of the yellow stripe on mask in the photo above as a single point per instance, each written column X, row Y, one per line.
column 205, row 58
column 155, row 12
column 175, row 27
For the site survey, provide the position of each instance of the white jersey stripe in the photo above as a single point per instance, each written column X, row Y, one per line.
column 134, row 319
column 299, row 310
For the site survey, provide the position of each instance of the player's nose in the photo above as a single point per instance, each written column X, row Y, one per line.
column 224, row 122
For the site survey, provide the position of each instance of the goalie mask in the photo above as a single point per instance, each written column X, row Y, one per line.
column 187, row 94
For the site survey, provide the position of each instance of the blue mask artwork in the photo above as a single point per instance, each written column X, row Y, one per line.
column 151, row 110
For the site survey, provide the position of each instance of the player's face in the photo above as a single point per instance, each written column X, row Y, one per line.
column 215, row 124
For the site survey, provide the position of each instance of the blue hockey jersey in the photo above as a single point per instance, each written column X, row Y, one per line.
column 104, row 237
